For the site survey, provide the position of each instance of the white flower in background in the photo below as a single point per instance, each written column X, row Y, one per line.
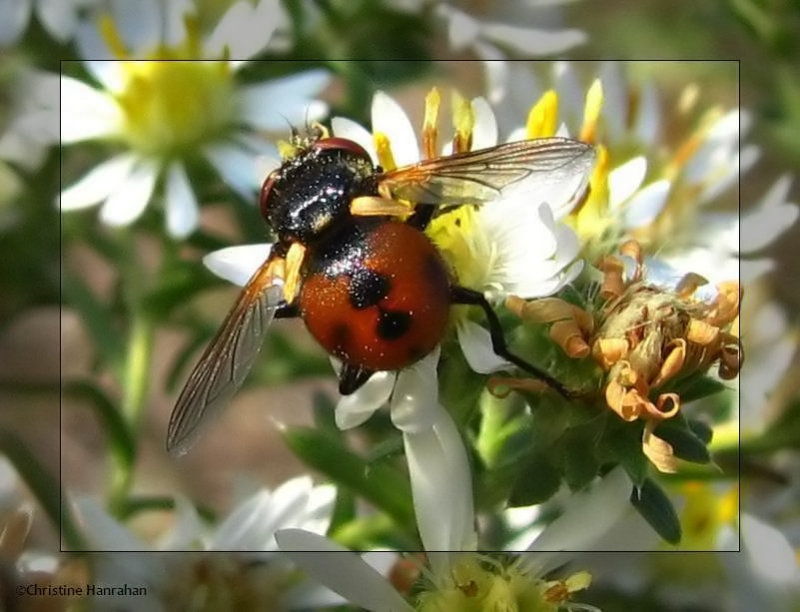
column 31, row 124
column 169, row 113
column 654, row 185
column 460, row 578
column 251, row 576
column 59, row 18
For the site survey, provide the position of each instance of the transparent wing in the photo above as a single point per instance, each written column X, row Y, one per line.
column 481, row 176
column 227, row 360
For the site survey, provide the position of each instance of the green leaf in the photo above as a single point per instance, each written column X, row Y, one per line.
column 622, row 443
column 344, row 509
column 701, row 429
column 120, row 437
column 177, row 284
column 44, row 487
column 656, row 508
column 685, row 444
column 579, row 459
column 385, row 449
column 383, row 485
column 324, row 411
column 537, row 483
column 696, row 387
column 96, row 316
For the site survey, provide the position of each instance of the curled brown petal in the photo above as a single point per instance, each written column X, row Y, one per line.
column 658, row 451
column 689, row 284
column 613, row 283
column 500, row 387
column 608, row 351
column 700, row 332
column 569, row 338
column 672, row 364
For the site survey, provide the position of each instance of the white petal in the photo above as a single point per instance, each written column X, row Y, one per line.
column 533, row 41
column 347, row 128
column 175, row 14
column 341, row 570
column 496, row 72
column 484, row 134
column 773, row 216
column 59, row 17
column 103, row 532
column 287, row 509
column 237, row 167
column 16, row 14
column 86, row 112
column 462, row 29
column 476, row 344
column 724, row 176
column 586, row 517
column 441, row 485
column 180, row 202
column 354, row 409
column 237, row 263
column 648, row 120
column 389, row 118
column 243, row 31
column 187, row 527
column 131, row 197
column 615, row 104
column 646, row 205
column 98, row 183
column 570, row 92
column 416, row 395
column 770, row 555
column 624, row 180
column 269, row 105
column 139, row 24
column 242, row 529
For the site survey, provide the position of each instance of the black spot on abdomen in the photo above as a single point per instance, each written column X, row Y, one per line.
column 393, row 324
column 367, row 288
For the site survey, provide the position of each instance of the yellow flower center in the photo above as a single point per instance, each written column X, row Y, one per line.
column 463, row 245
column 170, row 107
column 170, row 102
column 477, row 583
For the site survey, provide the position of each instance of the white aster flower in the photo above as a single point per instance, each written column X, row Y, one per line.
column 59, row 18
column 32, row 122
column 460, row 579
column 252, row 575
column 165, row 113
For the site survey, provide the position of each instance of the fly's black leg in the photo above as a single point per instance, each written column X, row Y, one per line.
column 287, row 311
column 422, row 216
column 352, row 378
column 462, row 295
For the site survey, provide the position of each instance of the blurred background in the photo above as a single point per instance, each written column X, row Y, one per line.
column 69, row 306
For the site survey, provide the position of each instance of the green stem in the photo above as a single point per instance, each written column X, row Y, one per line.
column 135, row 384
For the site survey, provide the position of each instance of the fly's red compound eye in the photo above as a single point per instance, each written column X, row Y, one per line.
column 342, row 144
column 266, row 190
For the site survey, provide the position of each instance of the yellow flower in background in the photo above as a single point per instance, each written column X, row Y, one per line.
column 170, row 97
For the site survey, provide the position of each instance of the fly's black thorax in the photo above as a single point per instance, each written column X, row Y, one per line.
column 311, row 193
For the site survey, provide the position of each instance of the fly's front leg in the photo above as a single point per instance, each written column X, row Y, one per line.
column 462, row 295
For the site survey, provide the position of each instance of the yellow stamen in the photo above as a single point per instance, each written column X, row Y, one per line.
column 464, row 123
column 591, row 113
column 111, row 36
column 384, row 149
column 542, row 117
column 429, row 126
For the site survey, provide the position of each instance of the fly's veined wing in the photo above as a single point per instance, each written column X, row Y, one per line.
column 227, row 360
column 481, row 176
